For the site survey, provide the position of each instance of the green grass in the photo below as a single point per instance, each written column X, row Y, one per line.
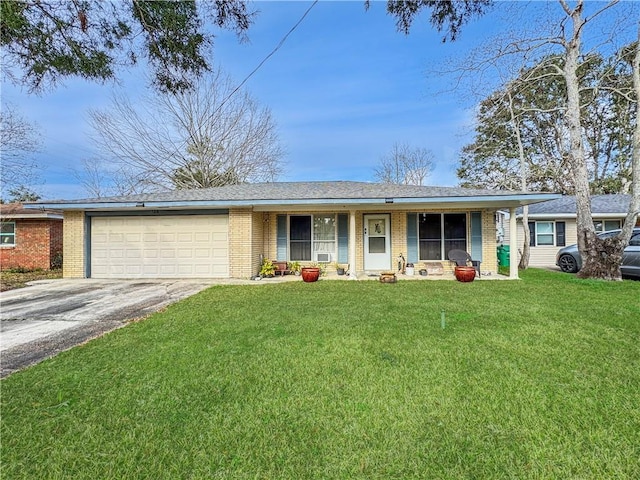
column 532, row 379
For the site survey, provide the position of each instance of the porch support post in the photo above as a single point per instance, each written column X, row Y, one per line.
column 513, row 244
column 352, row 245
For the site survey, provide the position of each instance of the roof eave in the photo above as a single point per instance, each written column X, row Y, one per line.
column 553, row 216
column 29, row 216
column 502, row 201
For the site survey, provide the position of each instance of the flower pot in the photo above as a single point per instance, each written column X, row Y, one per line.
column 465, row 274
column 310, row 274
column 340, row 271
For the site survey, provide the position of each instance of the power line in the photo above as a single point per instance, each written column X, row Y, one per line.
column 278, row 46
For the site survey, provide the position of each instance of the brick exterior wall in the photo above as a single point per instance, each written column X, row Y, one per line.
column 260, row 225
column 489, row 244
column 73, row 256
column 242, row 261
column 38, row 243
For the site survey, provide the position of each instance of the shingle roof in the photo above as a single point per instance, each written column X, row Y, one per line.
column 297, row 191
column 16, row 210
column 600, row 204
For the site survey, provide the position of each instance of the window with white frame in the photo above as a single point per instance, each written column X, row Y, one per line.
column 438, row 233
column 324, row 235
column 546, row 233
column 606, row 225
column 311, row 236
column 8, row 234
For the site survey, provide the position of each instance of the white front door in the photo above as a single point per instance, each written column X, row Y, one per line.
column 377, row 242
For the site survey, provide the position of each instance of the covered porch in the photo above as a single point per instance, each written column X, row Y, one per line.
column 366, row 242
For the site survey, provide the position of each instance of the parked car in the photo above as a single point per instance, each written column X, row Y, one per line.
column 569, row 260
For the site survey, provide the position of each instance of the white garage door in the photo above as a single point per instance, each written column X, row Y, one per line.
column 181, row 246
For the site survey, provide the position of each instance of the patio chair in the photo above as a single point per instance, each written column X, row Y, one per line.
column 280, row 268
column 462, row 258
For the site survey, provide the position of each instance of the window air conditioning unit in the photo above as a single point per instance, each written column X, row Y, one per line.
column 323, row 257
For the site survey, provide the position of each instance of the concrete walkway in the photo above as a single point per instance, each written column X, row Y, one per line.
column 50, row 316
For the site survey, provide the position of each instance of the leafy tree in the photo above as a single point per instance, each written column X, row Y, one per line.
column 537, row 98
column 208, row 136
column 49, row 41
column 23, row 194
column 405, row 165
column 446, row 16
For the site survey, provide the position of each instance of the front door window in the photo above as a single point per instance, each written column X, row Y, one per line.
column 377, row 251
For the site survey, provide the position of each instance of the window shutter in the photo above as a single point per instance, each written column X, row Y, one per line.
column 476, row 236
column 532, row 234
column 343, row 238
column 560, row 236
column 281, row 238
column 412, row 237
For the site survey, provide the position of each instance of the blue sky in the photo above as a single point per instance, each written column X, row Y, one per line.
column 343, row 89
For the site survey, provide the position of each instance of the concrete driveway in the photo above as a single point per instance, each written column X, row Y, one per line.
column 49, row 316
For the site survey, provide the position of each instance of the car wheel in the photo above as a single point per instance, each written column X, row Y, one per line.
column 568, row 264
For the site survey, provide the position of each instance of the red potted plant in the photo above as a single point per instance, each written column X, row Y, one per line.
column 465, row 274
column 310, row 273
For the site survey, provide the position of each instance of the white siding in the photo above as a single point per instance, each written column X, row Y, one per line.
column 545, row 255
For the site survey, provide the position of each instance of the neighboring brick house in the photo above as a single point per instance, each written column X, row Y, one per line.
column 30, row 238
column 223, row 232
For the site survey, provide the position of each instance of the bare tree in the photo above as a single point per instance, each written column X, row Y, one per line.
column 601, row 257
column 201, row 138
column 103, row 179
column 405, row 165
column 19, row 140
column 563, row 36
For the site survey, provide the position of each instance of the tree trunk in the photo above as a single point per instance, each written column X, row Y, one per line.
column 524, row 258
column 602, row 258
column 598, row 259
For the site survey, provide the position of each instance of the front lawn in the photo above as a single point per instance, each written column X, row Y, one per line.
column 337, row 380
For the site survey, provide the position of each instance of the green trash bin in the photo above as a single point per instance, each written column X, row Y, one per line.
column 503, row 255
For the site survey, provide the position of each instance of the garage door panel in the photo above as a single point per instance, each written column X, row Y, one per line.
column 168, row 237
column 167, row 270
column 138, row 247
column 167, row 253
column 185, row 254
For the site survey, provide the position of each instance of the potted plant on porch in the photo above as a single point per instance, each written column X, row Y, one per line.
column 267, row 269
column 465, row 273
column 294, row 267
column 312, row 272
